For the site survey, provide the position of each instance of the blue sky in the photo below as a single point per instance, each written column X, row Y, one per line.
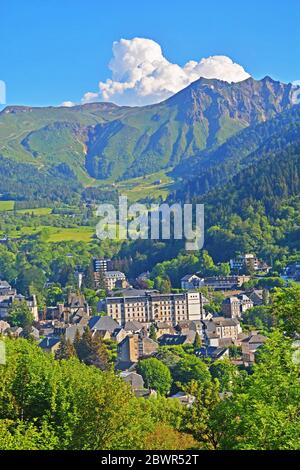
column 57, row 50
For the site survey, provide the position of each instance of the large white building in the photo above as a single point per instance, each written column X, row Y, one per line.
column 113, row 279
column 153, row 307
column 191, row 281
column 248, row 262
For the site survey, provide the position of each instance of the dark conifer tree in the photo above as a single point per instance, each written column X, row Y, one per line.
column 66, row 349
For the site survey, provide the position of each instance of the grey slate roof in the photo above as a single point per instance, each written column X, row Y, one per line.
column 103, row 324
column 187, row 325
column 244, row 297
column 187, row 277
column 211, row 352
column 48, row 343
column 172, row 340
column 225, row 342
column 124, row 365
column 221, row 321
column 132, row 378
column 134, row 292
column 133, row 326
column 256, row 296
column 184, row 398
column 163, row 326
column 255, row 339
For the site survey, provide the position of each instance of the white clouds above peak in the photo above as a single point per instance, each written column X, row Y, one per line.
column 141, row 74
column 68, row 104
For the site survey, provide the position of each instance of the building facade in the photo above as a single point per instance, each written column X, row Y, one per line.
column 231, row 307
column 114, row 279
column 250, row 346
column 220, row 328
column 248, row 262
column 100, row 267
column 191, row 281
column 225, row 282
column 135, row 347
column 167, row 308
column 235, row 306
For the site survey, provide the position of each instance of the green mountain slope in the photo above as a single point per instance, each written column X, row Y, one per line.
column 200, row 117
column 106, row 142
column 46, row 137
column 215, row 167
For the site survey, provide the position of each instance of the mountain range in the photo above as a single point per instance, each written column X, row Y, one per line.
column 210, row 123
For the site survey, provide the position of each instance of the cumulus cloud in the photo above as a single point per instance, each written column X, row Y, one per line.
column 141, row 74
column 68, row 104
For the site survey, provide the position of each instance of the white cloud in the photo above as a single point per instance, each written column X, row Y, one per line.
column 141, row 75
column 68, row 104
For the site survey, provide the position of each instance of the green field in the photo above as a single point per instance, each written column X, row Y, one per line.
column 137, row 189
column 152, row 186
column 7, row 206
column 37, row 211
column 23, row 231
column 55, row 234
column 79, row 234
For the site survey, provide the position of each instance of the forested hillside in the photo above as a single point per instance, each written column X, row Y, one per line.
column 22, row 181
column 48, row 404
column 257, row 210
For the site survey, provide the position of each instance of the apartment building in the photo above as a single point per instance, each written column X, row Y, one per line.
column 114, row 279
column 235, row 306
column 224, row 283
column 152, row 307
column 248, row 262
column 101, row 265
column 191, row 281
column 220, row 328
